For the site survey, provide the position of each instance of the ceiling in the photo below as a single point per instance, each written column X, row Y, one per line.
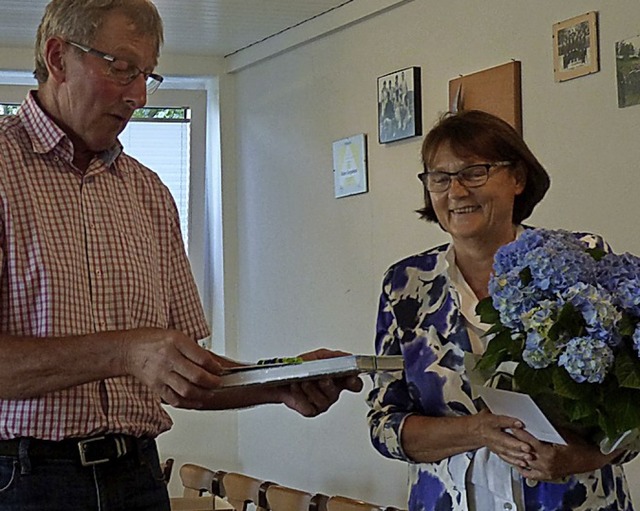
column 196, row 27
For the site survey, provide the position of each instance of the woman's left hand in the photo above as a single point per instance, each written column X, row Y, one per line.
column 551, row 462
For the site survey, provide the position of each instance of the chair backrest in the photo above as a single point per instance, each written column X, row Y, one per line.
column 167, row 469
column 283, row 498
column 206, row 503
column 339, row 503
column 241, row 490
column 196, row 480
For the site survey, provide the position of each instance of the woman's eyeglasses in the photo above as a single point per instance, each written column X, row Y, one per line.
column 472, row 176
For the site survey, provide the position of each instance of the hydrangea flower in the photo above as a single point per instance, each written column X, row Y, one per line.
column 537, row 352
column 511, row 298
column 541, row 317
column 587, row 359
column 570, row 308
column 620, row 275
column 597, row 309
column 558, row 266
column 540, row 272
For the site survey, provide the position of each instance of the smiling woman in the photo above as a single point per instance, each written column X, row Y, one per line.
column 480, row 182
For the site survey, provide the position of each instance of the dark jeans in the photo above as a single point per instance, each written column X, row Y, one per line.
column 133, row 483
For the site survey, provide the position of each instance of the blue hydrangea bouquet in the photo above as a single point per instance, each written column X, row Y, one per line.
column 568, row 313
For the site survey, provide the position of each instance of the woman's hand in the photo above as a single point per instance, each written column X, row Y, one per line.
column 551, row 462
column 497, row 432
column 430, row 439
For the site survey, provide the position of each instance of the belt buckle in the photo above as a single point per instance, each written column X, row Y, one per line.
column 83, row 446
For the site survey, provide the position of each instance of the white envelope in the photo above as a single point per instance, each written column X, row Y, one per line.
column 521, row 407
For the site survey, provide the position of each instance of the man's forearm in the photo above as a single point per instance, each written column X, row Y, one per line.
column 31, row 367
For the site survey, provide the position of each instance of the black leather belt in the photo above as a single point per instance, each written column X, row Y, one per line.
column 88, row 451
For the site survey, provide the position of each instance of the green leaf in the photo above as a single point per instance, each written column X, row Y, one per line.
column 565, row 386
column 581, row 411
column 525, row 276
column 626, row 369
column 627, row 325
column 497, row 351
column 570, row 323
column 620, row 412
column 533, row 381
column 596, row 253
column 487, row 312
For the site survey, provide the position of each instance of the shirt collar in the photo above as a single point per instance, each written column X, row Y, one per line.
column 47, row 136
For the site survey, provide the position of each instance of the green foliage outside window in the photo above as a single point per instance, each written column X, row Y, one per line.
column 160, row 113
column 179, row 114
column 7, row 109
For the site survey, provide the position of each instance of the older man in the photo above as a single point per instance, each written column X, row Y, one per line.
column 99, row 313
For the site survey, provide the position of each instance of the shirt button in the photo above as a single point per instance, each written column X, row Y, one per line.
column 98, row 273
column 508, row 506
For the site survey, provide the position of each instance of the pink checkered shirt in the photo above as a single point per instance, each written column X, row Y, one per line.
column 82, row 254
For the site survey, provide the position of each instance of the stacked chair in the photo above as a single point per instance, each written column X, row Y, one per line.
column 339, row 503
column 283, row 498
column 197, row 489
column 205, row 489
column 241, row 490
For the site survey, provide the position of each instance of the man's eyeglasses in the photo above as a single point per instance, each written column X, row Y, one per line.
column 122, row 71
column 472, row 176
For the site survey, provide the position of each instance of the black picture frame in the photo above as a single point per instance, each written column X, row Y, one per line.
column 399, row 105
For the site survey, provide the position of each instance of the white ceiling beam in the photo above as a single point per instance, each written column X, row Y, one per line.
column 308, row 31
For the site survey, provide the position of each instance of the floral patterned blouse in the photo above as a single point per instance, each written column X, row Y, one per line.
column 419, row 317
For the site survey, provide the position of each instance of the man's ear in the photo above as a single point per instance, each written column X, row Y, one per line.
column 55, row 53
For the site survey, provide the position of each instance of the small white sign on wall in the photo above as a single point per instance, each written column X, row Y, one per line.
column 350, row 165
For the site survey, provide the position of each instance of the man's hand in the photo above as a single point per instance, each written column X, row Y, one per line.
column 311, row 398
column 172, row 365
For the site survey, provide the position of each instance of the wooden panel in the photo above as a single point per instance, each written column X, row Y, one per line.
column 496, row 90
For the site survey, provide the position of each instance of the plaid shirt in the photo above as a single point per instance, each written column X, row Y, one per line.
column 85, row 253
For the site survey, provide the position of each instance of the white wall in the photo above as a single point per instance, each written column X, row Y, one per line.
column 309, row 266
column 303, row 269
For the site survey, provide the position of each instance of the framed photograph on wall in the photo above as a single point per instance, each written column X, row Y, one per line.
column 350, row 166
column 628, row 71
column 399, row 105
column 575, row 47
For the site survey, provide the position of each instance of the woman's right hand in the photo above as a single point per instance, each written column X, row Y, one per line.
column 495, row 430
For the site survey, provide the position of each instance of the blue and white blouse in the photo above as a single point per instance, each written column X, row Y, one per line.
column 420, row 318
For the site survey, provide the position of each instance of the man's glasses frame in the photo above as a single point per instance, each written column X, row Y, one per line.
column 122, row 71
column 472, row 176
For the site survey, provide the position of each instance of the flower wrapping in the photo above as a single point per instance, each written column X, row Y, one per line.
column 567, row 311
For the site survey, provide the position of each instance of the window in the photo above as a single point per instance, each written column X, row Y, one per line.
column 160, row 139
